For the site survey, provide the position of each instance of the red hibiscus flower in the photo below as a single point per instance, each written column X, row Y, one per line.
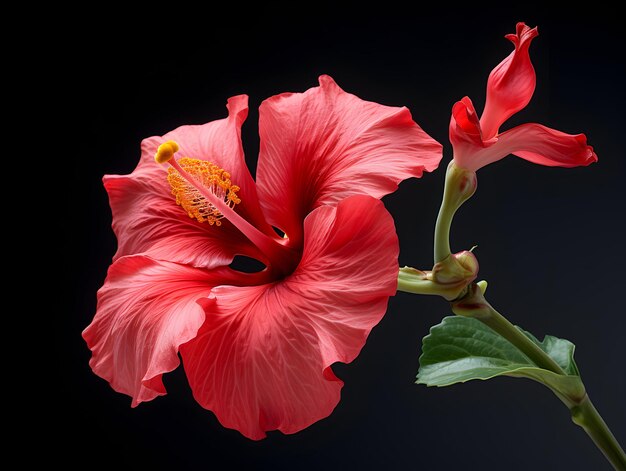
column 510, row 87
column 257, row 347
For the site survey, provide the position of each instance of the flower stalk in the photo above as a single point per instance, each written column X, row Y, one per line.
column 451, row 273
column 460, row 185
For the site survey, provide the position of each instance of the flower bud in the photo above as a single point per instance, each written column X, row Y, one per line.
column 458, row 268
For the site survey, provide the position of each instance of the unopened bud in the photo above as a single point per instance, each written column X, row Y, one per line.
column 458, row 268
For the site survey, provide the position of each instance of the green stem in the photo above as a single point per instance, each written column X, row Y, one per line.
column 460, row 185
column 588, row 417
column 414, row 281
column 442, row 231
column 506, row 329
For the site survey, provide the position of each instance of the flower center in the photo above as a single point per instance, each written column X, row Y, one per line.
column 209, row 176
column 206, row 192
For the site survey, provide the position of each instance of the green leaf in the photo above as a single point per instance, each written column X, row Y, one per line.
column 462, row 348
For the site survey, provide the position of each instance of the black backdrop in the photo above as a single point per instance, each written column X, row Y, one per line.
column 549, row 239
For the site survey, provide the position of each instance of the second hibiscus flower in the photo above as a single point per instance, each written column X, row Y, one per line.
column 257, row 347
column 477, row 141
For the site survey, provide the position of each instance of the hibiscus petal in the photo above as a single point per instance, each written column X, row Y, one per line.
column 541, row 145
column 146, row 310
column 323, row 145
column 262, row 360
column 511, row 84
column 146, row 218
column 464, row 124
column 465, row 133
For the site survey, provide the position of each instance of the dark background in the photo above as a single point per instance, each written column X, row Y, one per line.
column 550, row 240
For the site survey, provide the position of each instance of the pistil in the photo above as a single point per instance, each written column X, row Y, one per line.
column 279, row 256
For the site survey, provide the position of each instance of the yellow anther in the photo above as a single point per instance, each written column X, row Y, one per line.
column 166, row 151
column 212, row 178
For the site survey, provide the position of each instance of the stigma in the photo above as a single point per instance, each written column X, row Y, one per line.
column 190, row 180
